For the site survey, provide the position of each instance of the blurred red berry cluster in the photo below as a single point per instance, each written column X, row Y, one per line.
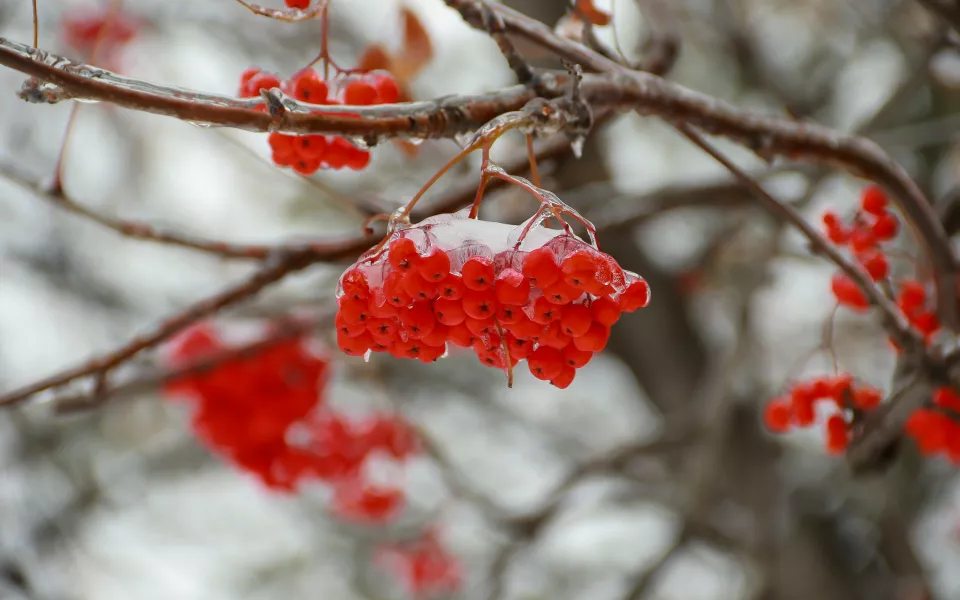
column 550, row 299
column 936, row 429
column 873, row 226
column 107, row 30
column 423, row 565
column 797, row 409
column 298, row 4
column 266, row 414
column 308, row 153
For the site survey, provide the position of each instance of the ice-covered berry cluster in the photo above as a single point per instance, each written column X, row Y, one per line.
column 549, row 299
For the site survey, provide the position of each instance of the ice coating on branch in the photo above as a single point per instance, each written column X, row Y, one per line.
column 507, row 292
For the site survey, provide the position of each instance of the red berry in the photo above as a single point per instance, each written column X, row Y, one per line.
column 480, row 304
column 403, row 254
column 912, row 298
column 509, row 315
column 562, row 292
column 838, row 436
column 387, row 89
column 417, row 287
column 512, row 287
column 434, row 266
column 383, row 330
column 394, row 290
column 349, row 329
column 576, row 358
column 777, row 415
column 576, row 320
column 359, row 93
column 449, row 312
column 452, row 288
column 306, row 166
column 564, row 378
column 947, row 398
column 637, row 295
column 862, row 240
column 299, row 4
column 540, row 267
column 594, row 340
column 354, row 346
column 308, row 86
column 605, row 311
column 848, row 293
column 927, row 323
column 874, row 200
column 886, row 227
column 477, row 273
column 418, row 320
column 311, row 146
column 876, row 265
column 545, row 363
column 545, row 312
column 867, row 398
column 261, row 81
column 438, row 336
column 461, row 335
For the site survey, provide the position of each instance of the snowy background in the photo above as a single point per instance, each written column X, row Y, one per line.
column 121, row 502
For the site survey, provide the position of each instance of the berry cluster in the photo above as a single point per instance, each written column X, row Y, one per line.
column 265, row 413
column 936, row 430
column 797, row 409
column 307, row 153
column 423, row 565
column 550, row 298
column 872, row 226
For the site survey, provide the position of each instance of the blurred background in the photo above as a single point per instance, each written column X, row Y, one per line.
column 651, row 476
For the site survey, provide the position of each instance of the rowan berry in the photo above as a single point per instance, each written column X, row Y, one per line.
column 298, row 4
column 438, row 336
column 866, row 397
column 354, row 311
column 836, row 231
column 480, row 327
column 355, row 346
column 886, row 227
column 388, row 91
column 355, row 285
column 838, row 436
column 349, row 329
column 512, row 287
column 509, row 315
column 527, row 329
column 519, row 349
column 777, row 415
column 553, row 336
column 480, row 304
column 912, row 297
column 545, row 312
column 862, row 240
column 594, row 340
column 418, row 320
column 359, row 93
column 876, row 265
column 308, row 86
column 419, row 288
column 540, row 267
column 477, row 273
column 545, row 363
column 452, row 288
column 383, row 331
column 564, row 378
column 605, row 311
column 927, row 323
column 945, row 397
column 576, row 358
column 637, row 295
column 576, row 320
column 449, row 312
column 873, row 200
column 394, row 290
column 434, row 266
column 848, row 293
column 461, row 335
column 562, row 293
column 403, row 254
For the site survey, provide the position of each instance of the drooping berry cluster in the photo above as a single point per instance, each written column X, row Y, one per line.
column 266, row 414
column 423, row 566
column 550, row 299
column 873, row 226
column 308, row 153
column 797, row 409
